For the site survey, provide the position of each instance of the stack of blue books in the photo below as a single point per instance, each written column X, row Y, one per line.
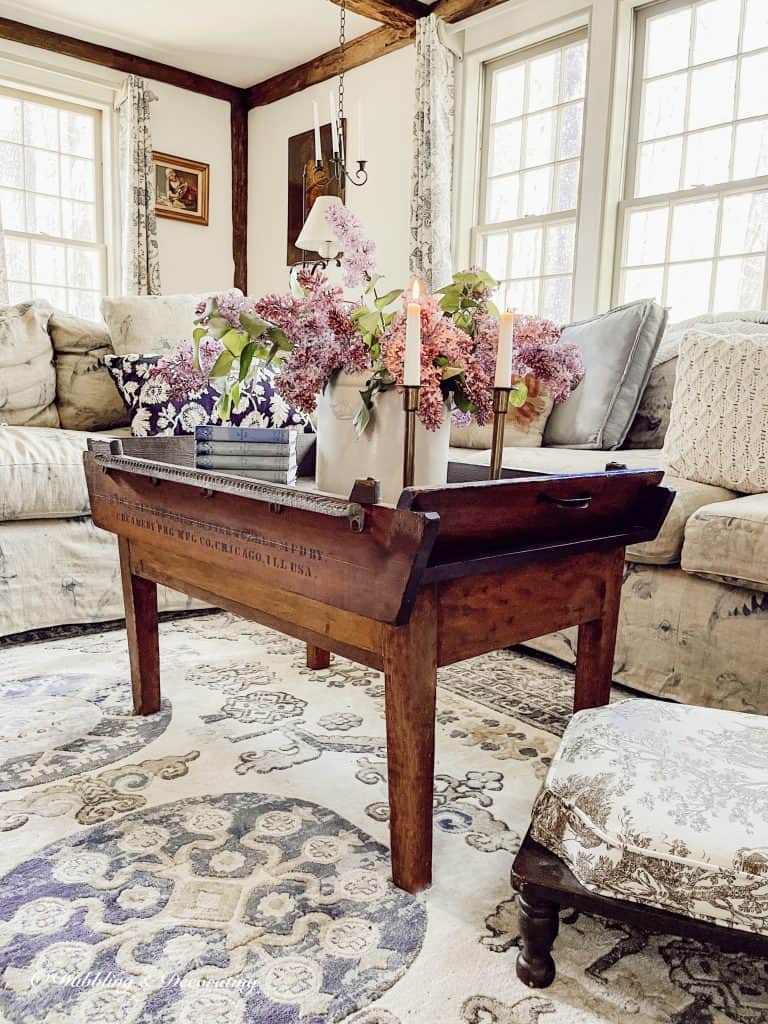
column 264, row 453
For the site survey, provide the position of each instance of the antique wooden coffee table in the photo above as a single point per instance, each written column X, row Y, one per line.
column 450, row 573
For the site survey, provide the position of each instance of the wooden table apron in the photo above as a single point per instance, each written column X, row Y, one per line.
column 394, row 597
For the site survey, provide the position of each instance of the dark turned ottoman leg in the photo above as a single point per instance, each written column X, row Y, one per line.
column 539, row 923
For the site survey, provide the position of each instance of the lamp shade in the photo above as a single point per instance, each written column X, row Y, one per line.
column 316, row 235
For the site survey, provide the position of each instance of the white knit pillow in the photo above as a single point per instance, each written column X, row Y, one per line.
column 718, row 426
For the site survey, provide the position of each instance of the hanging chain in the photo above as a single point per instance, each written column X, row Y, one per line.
column 342, row 43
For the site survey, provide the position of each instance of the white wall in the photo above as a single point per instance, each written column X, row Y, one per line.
column 192, row 258
column 386, row 89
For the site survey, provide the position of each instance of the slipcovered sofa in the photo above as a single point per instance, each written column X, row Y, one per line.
column 695, row 601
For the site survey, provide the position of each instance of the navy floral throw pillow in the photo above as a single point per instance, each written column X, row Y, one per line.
column 159, row 406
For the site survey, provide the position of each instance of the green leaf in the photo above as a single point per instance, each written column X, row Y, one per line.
column 218, row 327
column 518, row 395
column 254, row 325
column 199, row 333
column 223, row 365
column 451, row 371
column 225, row 405
column 235, row 393
column 361, row 419
column 385, row 300
column 485, row 278
column 462, row 402
column 280, row 340
column 374, row 281
column 358, row 313
column 246, row 358
column 370, row 323
column 234, row 342
column 493, row 309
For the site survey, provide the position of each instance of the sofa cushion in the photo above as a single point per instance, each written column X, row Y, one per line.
column 618, row 349
column 86, row 396
column 729, row 542
column 27, row 376
column 664, row 805
column 524, row 427
column 41, row 473
column 143, row 324
column 718, row 428
column 689, row 495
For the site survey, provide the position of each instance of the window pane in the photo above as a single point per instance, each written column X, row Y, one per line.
column 48, row 263
column 574, row 72
column 12, row 210
column 556, row 299
column 42, row 170
column 77, row 133
column 646, row 283
column 43, row 214
column 523, row 295
column 688, row 289
column 559, row 248
column 571, row 119
column 540, row 138
column 739, row 283
column 716, row 30
column 11, row 165
column 567, row 188
column 526, row 253
column 753, row 95
column 85, row 304
column 18, row 292
column 537, row 192
column 667, row 41
column 83, row 268
column 10, row 119
column 647, row 236
column 664, row 107
column 756, row 25
column 495, row 261
column 658, row 168
column 505, row 148
column 693, row 230
column 751, row 156
column 56, row 296
column 502, row 198
column 77, row 178
column 712, row 92
column 544, row 80
column 17, row 258
column 508, row 93
column 707, row 157
column 78, row 221
column 41, row 125
column 745, row 223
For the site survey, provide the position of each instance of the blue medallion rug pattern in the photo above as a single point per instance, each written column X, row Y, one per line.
column 226, row 860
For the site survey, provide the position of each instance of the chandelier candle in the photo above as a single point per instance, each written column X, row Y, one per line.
column 318, row 147
column 411, row 381
column 334, row 126
column 501, row 388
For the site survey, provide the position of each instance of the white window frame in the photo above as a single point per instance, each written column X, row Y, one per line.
column 481, row 229
column 99, row 245
column 639, row 15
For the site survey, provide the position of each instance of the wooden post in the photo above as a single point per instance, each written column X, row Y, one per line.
column 597, row 642
column 140, row 597
column 317, row 658
column 410, row 670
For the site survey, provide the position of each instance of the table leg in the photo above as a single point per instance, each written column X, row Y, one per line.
column 410, row 670
column 597, row 642
column 317, row 657
column 140, row 599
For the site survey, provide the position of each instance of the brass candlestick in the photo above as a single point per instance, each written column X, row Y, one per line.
column 500, row 409
column 410, row 405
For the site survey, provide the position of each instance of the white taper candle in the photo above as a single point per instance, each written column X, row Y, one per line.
column 503, row 378
column 334, row 124
column 318, row 146
column 412, row 358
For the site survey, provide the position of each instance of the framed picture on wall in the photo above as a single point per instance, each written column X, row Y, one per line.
column 306, row 183
column 181, row 188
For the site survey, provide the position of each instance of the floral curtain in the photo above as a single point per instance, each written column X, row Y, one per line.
column 432, row 157
column 141, row 259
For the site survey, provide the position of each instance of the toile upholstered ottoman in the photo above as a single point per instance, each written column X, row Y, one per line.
column 652, row 813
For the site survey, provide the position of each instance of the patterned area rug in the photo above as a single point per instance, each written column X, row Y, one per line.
column 227, row 858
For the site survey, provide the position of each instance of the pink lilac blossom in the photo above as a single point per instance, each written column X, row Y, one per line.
column 229, row 305
column 323, row 337
column 179, row 372
column 358, row 260
column 439, row 338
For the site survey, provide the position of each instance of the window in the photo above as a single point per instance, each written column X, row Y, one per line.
column 694, row 221
column 51, row 202
column 530, row 175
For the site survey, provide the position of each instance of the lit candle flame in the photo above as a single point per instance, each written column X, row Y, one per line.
column 417, row 289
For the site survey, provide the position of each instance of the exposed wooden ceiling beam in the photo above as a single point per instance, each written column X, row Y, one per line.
column 398, row 13
column 458, row 10
column 359, row 51
column 117, row 59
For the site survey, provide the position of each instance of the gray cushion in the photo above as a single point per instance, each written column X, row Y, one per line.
column 618, row 349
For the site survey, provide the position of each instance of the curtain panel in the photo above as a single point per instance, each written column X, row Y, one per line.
column 432, row 174
column 140, row 253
